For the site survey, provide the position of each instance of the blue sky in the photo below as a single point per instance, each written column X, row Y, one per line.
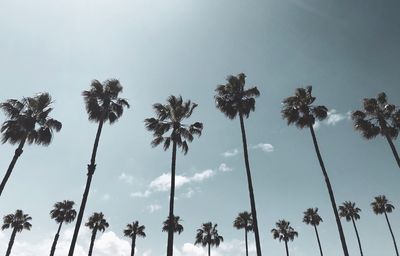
column 347, row 50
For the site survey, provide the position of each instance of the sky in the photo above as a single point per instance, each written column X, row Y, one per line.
column 348, row 50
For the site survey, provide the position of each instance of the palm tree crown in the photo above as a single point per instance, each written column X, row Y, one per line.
column 170, row 117
column 208, row 235
column 381, row 205
column 102, row 102
column 97, row 222
column 244, row 221
column 18, row 221
column 63, row 212
column 29, row 120
column 283, row 231
column 232, row 99
column 176, row 226
column 349, row 211
column 312, row 217
column 134, row 229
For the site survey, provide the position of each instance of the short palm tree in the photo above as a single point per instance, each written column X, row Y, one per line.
column 349, row 211
column 379, row 117
column 17, row 222
column 134, row 230
column 176, row 226
column 96, row 222
column 299, row 110
column 383, row 206
column 169, row 119
column 102, row 105
column 244, row 221
column 28, row 122
column 234, row 100
column 311, row 217
column 208, row 236
column 284, row 232
column 62, row 212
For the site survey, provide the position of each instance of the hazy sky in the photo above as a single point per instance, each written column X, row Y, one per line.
column 347, row 50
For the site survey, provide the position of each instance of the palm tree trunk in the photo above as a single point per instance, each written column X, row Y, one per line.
column 171, row 203
column 391, row 232
column 91, row 169
column 53, row 247
column 287, row 249
column 358, row 237
column 209, row 249
column 133, row 245
column 319, row 242
column 10, row 244
column 17, row 153
column 250, row 185
column 245, row 240
column 92, row 242
column 396, row 155
column 330, row 190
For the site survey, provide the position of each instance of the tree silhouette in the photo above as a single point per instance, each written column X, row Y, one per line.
column 208, row 236
column 17, row 222
column 96, row 222
column 132, row 231
column 311, row 217
column 349, row 211
column 298, row 110
column 176, row 226
column 28, row 122
column 379, row 117
column 169, row 119
column 244, row 221
column 234, row 100
column 284, row 232
column 102, row 105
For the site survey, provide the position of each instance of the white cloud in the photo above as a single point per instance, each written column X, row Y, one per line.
column 188, row 194
column 199, row 177
column 153, row 207
column 231, row 153
column 126, row 178
column 106, row 197
column 234, row 247
column 146, row 193
column 334, row 117
column 266, row 147
column 224, row 168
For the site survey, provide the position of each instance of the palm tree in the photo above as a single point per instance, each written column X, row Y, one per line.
column 379, row 117
column 208, row 236
column 311, row 217
column 298, row 110
column 134, row 230
column 28, row 122
column 234, row 100
column 18, row 222
column 284, row 232
column 382, row 206
column 102, row 105
column 62, row 212
column 349, row 211
column 244, row 221
column 176, row 226
column 169, row 119
column 96, row 223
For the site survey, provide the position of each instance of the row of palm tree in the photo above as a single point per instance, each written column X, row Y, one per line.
column 29, row 122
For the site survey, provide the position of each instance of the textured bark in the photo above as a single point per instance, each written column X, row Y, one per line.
column 319, row 242
column 133, row 245
column 10, row 244
column 92, row 242
column 358, row 237
column 287, row 249
column 170, row 244
column 245, row 239
column 391, row 232
column 209, row 249
column 53, row 247
column 396, row 155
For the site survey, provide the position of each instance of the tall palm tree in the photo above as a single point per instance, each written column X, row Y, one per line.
column 62, row 212
column 134, row 230
column 311, row 217
column 208, row 236
column 28, row 122
column 234, row 100
column 102, row 105
column 379, row 117
column 176, row 226
column 383, row 206
column 285, row 232
column 169, row 119
column 96, row 222
column 298, row 110
column 244, row 221
column 349, row 211
column 18, row 222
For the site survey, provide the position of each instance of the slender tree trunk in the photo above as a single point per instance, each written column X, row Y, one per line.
column 53, row 247
column 92, row 242
column 396, row 155
column 10, row 244
column 250, row 185
column 391, row 232
column 17, row 153
column 319, row 242
column 330, row 190
column 209, row 249
column 133, row 245
column 358, row 237
column 171, row 203
column 245, row 239
column 91, row 169
column 287, row 249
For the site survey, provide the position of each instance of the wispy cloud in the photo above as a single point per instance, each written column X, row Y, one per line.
column 106, row 197
column 126, row 178
column 224, row 168
column 333, row 118
column 230, row 153
column 153, row 207
column 266, row 147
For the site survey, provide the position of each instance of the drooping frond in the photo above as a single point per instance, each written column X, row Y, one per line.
column 63, row 212
column 312, row 217
column 208, row 235
column 382, row 205
column 175, row 224
column 349, row 211
column 283, row 231
column 244, row 220
column 134, row 229
column 97, row 222
column 18, row 221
